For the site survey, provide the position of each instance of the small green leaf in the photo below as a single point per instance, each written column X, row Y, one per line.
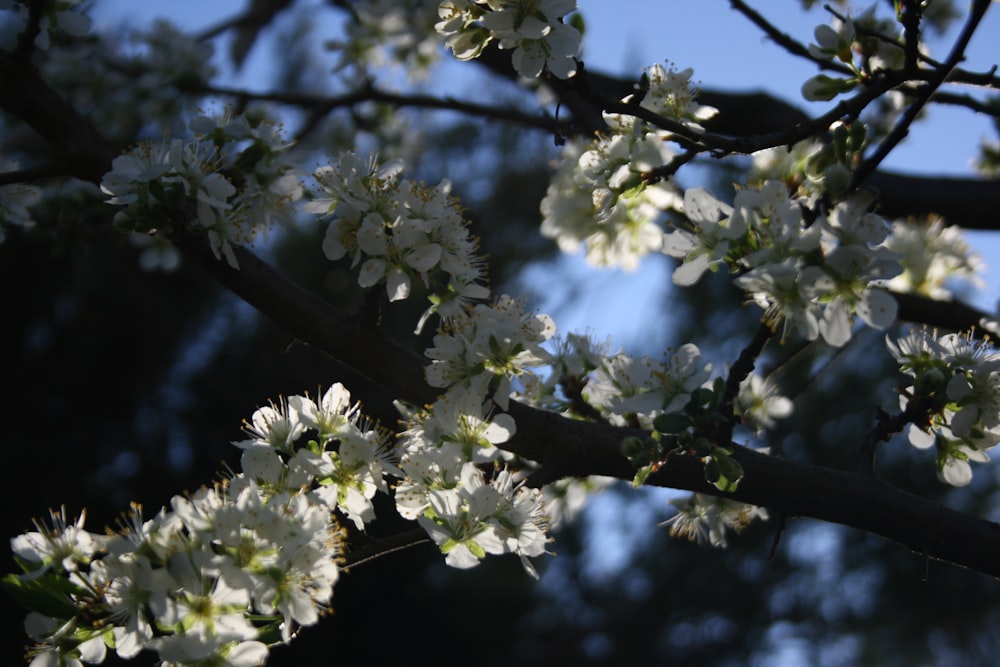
column 823, row 88
column 48, row 594
column 641, row 475
column 632, row 447
column 702, row 396
column 712, row 473
column 476, row 550
column 672, row 422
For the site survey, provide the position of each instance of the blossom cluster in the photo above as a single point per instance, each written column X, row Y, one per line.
column 383, row 32
column 954, row 398
column 603, row 194
column 533, row 29
column 864, row 43
column 677, row 400
column 225, row 571
column 456, row 481
column 704, row 518
column 933, row 254
column 598, row 198
column 230, row 181
column 809, row 275
column 455, row 487
column 670, row 93
column 634, row 391
column 402, row 231
column 484, row 348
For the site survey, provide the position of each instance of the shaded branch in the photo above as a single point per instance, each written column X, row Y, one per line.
column 24, row 95
column 723, row 145
column 947, row 315
column 741, row 370
column 322, row 105
column 564, row 446
column 35, row 173
column 968, row 203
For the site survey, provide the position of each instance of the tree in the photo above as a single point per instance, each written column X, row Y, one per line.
column 488, row 429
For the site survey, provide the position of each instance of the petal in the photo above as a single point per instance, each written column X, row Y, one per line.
column 332, row 246
column 371, row 273
column 835, row 327
column 425, row 258
column 689, row 272
column 371, row 235
column 877, row 308
column 701, row 207
column 956, row 472
column 501, row 430
column 919, row 438
column 398, row 285
column 529, row 60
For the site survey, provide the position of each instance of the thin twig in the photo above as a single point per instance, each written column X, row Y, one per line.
column 967, row 101
column 779, row 531
column 740, row 371
column 26, row 40
column 323, row 105
column 984, row 79
column 912, row 14
column 785, row 41
column 384, row 547
column 902, row 127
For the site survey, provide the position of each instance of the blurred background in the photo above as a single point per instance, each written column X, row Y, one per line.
column 126, row 384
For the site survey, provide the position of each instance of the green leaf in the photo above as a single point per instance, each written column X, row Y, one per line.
column 48, row 594
column 823, row 88
column 270, row 633
column 712, row 473
column 725, row 484
column 723, row 471
column 702, row 396
column 475, row 548
column 632, row 446
column 641, row 475
column 672, row 422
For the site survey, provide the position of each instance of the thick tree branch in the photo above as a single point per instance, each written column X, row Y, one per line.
column 946, row 315
column 563, row 446
column 968, row 203
column 24, row 95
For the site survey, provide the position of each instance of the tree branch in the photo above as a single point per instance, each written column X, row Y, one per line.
column 923, row 96
column 566, row 447
column 785, row 41
column 323, row 105
column 966, row 202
